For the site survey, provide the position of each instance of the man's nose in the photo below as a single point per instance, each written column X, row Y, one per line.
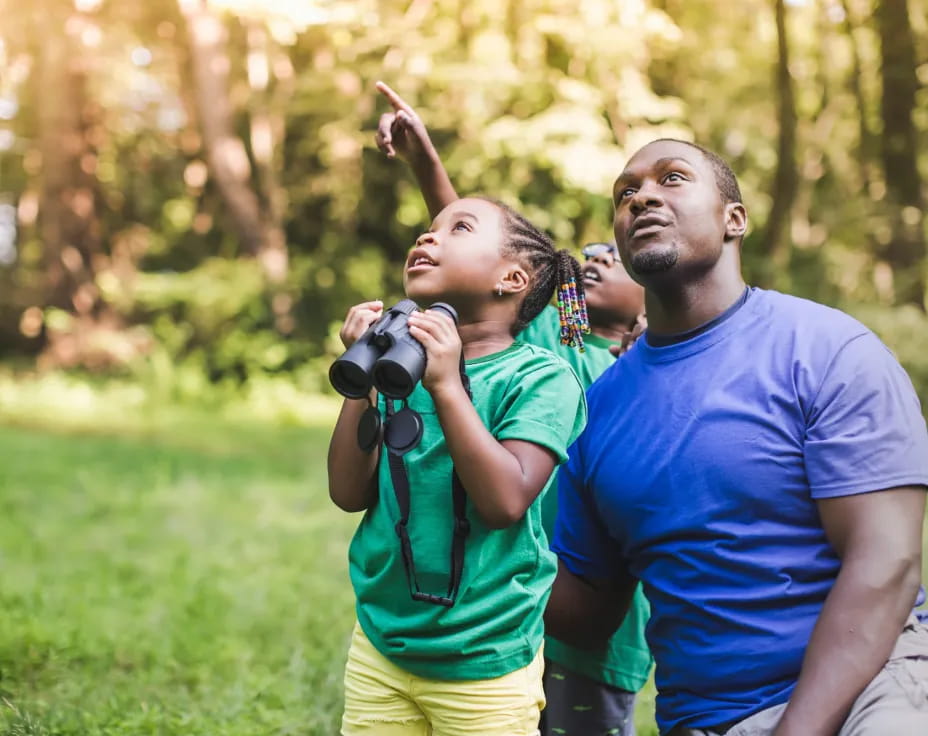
column 647, row 197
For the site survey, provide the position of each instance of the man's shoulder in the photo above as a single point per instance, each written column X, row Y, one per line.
column 806, row 316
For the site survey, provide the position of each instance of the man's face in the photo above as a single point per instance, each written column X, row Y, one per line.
column 669, row 215
column 611, row 295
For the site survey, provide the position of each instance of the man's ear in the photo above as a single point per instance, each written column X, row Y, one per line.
column 736, row 221
column 515, row 280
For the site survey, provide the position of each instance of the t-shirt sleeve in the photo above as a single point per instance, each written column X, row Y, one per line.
column 544, row 405
column 865, row 430
column 581, row 540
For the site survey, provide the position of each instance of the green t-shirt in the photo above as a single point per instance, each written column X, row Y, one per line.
column 626, row 661
column 495, row 627
column 545, row 331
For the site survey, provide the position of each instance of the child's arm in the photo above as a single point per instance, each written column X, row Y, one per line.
column 402, row 133
column 502, row 479
column 353, row 472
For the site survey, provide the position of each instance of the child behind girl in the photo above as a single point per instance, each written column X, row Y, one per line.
column 417, row 666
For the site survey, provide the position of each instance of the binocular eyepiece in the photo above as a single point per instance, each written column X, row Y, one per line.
column 386, row 357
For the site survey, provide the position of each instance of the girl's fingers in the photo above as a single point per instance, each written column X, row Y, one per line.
column 398, row 102
column 425, row 337
column 438, row 326
column 364, row 313
column 399, row 125
column 421, row 320
column 445, row 323
column 359, row 318
column 384, row 137
column 374, row 306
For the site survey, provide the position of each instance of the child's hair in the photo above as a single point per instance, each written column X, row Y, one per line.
column 550, row 271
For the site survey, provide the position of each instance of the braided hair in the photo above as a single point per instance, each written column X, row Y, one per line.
column 551, row 272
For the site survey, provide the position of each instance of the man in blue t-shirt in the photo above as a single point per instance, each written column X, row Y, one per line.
column 763, row 476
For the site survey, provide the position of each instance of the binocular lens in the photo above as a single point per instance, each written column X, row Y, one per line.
column 392, row 379
column 398, row 370
column 350, row 379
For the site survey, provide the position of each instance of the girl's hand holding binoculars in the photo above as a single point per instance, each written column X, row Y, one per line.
column 360, row 317
column 439, row 336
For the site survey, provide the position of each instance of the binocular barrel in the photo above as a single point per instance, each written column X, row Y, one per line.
column 386, row 357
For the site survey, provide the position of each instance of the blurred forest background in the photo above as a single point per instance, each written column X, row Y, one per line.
column 190, row 198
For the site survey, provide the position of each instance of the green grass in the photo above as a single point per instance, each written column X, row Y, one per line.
column 173, row 576
column 183, row 583
column 180, row 578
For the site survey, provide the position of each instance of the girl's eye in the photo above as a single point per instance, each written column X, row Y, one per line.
column 461, row 224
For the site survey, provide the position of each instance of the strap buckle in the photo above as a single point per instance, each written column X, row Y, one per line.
column 462, row 526
column 439, row 600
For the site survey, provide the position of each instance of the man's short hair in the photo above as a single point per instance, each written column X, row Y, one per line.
column 725, row 178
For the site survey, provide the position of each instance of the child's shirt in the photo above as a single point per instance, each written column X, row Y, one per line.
column 495, row 626
column 545, row 330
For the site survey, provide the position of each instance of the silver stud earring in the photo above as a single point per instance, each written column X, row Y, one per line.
column 499, row 290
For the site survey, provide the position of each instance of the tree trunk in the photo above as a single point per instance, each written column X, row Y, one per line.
column 226, row 156
column 267, row 126
column 865, row 144
column 906, row 250
column 67, row 216
column 786, row 178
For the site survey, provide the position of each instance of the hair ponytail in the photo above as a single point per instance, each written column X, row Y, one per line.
column 552, row 273
column 571, row 300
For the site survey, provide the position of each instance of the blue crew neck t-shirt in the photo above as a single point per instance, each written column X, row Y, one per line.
column 703, row 480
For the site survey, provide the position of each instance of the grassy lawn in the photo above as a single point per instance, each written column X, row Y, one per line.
column 185, row 579
column 187, row 582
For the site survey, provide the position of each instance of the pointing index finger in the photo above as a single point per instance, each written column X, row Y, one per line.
column 398, row 102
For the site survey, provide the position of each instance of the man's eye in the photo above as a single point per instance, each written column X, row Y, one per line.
column 674, row 176
column 624, row 194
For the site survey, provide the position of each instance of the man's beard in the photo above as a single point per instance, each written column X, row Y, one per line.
column 655, row 261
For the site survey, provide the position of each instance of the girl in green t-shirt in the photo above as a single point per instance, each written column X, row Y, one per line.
column 427, row 657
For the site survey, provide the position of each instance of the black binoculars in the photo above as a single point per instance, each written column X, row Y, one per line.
column 386, row 357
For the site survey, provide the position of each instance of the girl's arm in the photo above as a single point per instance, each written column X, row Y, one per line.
column 353, row 472
column 502, row 479
column 402, row 133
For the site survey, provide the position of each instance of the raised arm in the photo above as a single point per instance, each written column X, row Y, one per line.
column 401, row 133
column 878, row 537
column 353, row 472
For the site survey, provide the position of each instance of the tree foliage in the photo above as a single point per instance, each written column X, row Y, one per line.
column 193, row 182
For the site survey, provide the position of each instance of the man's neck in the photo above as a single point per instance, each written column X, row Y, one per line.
column 672, row 310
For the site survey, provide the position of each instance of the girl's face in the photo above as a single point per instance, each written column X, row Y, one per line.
column 459, row 260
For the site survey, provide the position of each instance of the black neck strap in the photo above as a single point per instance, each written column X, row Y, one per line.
column 400, row 479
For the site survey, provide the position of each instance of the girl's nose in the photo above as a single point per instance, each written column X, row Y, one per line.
column 426, row 239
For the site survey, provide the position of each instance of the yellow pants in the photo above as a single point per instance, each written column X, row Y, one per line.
column 382, row 699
